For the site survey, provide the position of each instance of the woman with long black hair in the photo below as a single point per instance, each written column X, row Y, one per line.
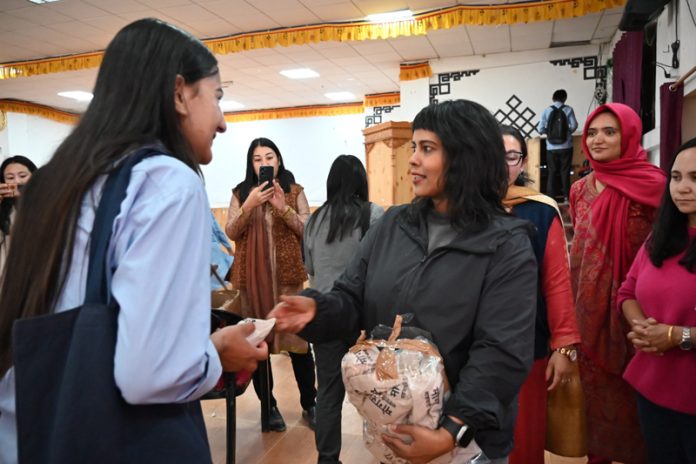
column 331, row 238
column 266, row 221
column 158, row 88
column 658, row 300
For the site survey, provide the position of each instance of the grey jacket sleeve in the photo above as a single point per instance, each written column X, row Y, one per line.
column 502, row 352
column 338, row 311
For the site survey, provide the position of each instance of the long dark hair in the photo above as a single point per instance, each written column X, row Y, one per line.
column 346, row 199
column 475, row 170
column 284, row 177
column 670, row 233
column 522, row 179
column 8, row 204
column 133, row 104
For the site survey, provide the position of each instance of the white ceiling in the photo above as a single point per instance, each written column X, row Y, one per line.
column 29, row 31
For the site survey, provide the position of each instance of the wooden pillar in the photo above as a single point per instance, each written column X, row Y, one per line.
column 535, row 161
column 387, row 151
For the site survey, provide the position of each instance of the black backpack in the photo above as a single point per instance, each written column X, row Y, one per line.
column 557, row 129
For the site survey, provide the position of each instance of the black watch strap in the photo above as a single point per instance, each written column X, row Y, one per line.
column 463, row 434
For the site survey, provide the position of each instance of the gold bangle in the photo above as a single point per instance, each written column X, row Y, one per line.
column 287, row 211
column 669, row 334
column 241, row 211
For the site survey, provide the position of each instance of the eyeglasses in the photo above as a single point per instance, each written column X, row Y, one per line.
column 513, row 158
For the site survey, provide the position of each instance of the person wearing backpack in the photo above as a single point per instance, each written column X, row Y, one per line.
column 558, row 123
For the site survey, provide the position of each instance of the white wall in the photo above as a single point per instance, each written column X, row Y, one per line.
column 667, row 25
column 528, row 76
column 32, row 136
column 308, row 146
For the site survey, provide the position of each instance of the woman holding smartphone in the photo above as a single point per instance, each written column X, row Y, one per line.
column 266, row 220
column 15, row 171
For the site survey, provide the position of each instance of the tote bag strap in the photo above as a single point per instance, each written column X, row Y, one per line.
column 113, row 195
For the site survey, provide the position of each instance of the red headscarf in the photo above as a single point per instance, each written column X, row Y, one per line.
column 629, row 178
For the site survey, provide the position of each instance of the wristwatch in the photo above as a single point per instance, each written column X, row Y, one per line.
column 686, row 344
column 462, row 433
column 569, row 351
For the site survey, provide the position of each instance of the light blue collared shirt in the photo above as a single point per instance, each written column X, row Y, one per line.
column 572, row 125
column 159, row 255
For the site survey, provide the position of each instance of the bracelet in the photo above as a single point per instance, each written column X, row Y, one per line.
column 669, row 334
column 287, row 211
column 241, row 211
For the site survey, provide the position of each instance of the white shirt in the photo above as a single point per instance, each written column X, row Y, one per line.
column 159, row 255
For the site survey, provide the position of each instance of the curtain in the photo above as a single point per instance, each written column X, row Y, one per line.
column 628, row 59
column 671, row 106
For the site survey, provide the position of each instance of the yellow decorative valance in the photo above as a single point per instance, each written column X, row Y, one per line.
column 382, row 99
column 33, row 109
column 296, row 112
column 411, row 72
column 16, row 106
column 484, row 15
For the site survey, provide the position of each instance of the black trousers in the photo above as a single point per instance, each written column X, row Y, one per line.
column 559, row 163
column 670, row 436
column 303, row 368
column 329, row 399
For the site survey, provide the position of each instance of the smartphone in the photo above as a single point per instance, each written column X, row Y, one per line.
column 266, row 174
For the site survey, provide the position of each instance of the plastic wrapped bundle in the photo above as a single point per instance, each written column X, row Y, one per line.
column 398, row 381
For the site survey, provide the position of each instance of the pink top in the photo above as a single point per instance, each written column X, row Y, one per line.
column 668, row 294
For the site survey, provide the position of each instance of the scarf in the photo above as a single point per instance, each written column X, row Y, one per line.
column 517, row 195
column 259, row 280
column 631, row 178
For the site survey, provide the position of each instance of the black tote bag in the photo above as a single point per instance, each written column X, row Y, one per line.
column 69, row 409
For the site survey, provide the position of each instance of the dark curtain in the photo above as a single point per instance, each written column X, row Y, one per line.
column 628, row 59
column 671, row 106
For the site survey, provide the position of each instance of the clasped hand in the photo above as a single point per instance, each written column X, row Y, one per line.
column 650, row 336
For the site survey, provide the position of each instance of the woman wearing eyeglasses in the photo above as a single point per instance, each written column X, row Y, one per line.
column 556, row 328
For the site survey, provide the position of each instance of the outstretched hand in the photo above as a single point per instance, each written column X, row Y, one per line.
column 293, row 313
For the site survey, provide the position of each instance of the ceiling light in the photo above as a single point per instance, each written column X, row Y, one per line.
column 343, row 96
column 299, row 73
column 230, row 105
column 78, row 95
column 401, row 15
column 40, row 2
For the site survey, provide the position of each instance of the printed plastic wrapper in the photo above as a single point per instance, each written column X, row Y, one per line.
column 399, row 381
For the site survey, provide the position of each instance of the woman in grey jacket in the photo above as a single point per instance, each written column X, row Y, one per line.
column 460, row 264
column 331, row 238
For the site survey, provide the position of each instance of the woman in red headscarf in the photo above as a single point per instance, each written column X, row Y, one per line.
column 612, row 210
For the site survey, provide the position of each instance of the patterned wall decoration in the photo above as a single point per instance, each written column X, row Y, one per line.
column 443, row 82
column 377, row 112
column 591, row 68
column 517, row 116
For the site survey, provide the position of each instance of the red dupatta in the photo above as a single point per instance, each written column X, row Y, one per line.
column 629, row 178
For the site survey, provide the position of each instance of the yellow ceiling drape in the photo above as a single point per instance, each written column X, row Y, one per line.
column 411, row 72
column 382, row 99
column 486, row 15
column 296, row 112
column 33, row 109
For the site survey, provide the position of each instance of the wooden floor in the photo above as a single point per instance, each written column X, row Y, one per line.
column 296, row 444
